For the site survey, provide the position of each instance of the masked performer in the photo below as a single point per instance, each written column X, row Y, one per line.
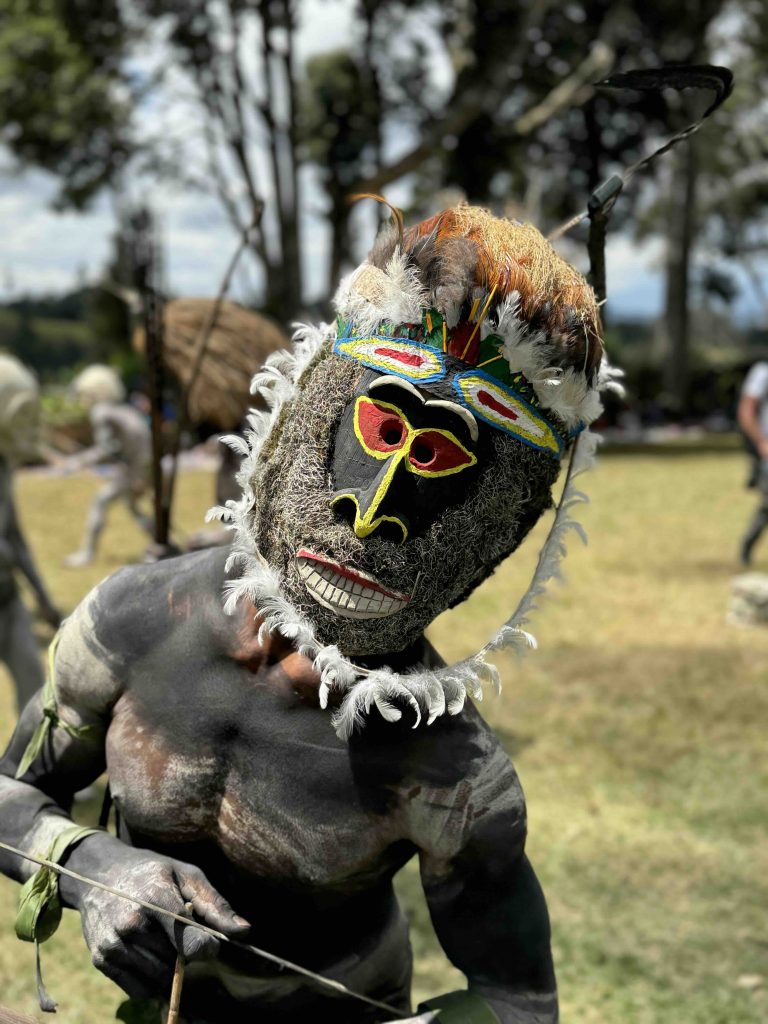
column 121, row 435
column 408, row 450
column 19, row 407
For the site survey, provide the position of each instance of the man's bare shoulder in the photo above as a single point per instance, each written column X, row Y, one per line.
column 133, row 612
column 140, row 605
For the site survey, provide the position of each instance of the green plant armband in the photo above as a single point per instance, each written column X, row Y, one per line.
column 51, row 718
column 39, row 910
column 39, row 913
column 463, row 1007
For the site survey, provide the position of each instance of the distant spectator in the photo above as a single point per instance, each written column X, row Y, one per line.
column 753, row 420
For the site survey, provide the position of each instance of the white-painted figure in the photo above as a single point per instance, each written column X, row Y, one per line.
column 121, row 435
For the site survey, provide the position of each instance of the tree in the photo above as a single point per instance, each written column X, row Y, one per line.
column 340, row 134
column 515, row 116
column 233, row 63
column 65, row 97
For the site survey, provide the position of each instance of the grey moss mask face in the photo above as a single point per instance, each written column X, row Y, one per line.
column 375, row 594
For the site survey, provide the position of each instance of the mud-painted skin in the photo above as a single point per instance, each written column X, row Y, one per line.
column 233, row 791
column 18, row 647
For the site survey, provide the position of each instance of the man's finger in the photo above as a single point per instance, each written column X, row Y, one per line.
column 210, row 906
column 196, row 945
column 192, row 942
column 140, row 973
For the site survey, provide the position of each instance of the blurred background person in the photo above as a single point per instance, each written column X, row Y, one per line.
column 121, row 436
column 19, row 408
column 753, row 420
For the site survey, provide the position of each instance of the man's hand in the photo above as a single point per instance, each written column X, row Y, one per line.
column 762, row 448
column 134, row 947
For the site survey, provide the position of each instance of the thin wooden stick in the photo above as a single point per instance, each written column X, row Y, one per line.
column 178, row 980
column 213, row 932
column 200, row 348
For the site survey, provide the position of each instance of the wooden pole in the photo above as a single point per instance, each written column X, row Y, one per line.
column 145, row 260
column 178, row 982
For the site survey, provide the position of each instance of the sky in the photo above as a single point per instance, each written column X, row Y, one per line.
column 47, row 251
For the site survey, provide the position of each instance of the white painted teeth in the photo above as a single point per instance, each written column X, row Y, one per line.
column 342, row 596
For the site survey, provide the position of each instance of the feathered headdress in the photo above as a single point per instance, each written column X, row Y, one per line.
column 492, row 297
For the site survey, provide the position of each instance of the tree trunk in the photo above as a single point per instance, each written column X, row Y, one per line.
column 369, row 9
column 292, row 253
column 678, row 266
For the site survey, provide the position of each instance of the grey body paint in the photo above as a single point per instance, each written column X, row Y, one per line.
column 18, row 648
column 233, row 788
column 121, row 436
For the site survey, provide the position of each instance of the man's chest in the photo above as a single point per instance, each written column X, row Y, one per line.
column 259, row 775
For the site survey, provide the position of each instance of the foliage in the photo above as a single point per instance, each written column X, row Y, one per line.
column 51, row 345
column 495, row 99
column 338, row 132
column 59, row 406
column 64, row 102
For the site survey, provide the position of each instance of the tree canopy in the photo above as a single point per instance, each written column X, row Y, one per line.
column 494, row 98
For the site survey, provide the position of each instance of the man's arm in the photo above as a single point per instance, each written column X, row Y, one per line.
column 486, row 903
column 748, row 414
column 749, row 421
column 24, row 561
column 133, row 947
column 106, row 442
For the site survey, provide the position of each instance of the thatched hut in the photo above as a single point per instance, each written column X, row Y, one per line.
column 239, row 343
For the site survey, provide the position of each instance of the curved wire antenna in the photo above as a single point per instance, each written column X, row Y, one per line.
column 678, row 77
column 397, row 213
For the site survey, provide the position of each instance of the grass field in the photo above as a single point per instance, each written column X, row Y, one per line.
column 638, row 730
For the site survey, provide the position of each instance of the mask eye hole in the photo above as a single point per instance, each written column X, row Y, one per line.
column 422, row 454
column 438, row 452
column 391, row 433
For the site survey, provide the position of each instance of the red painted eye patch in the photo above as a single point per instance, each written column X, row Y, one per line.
column 382, row 430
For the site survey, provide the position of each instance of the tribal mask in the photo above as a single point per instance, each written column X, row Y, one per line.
column 413, row 445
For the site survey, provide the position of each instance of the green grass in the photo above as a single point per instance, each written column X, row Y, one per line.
column 637, row 729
